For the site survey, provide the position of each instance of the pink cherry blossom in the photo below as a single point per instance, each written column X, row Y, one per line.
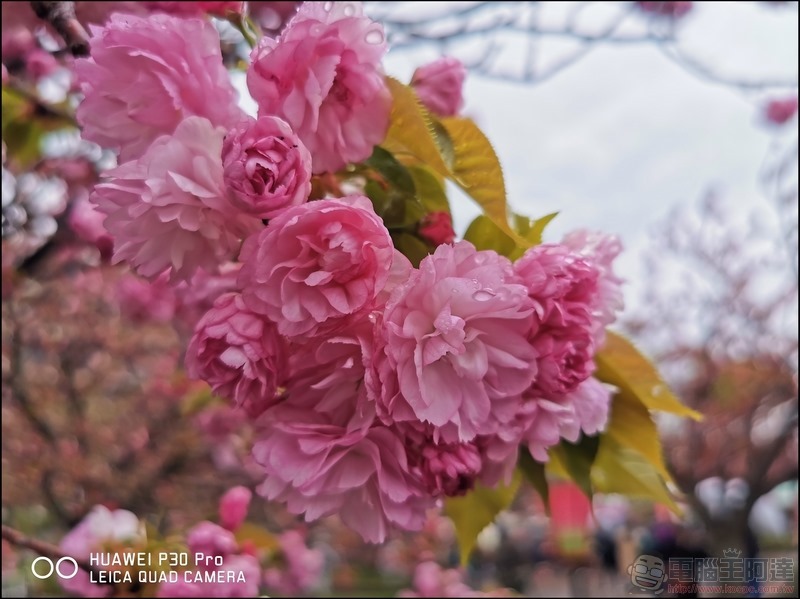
column 99, row 527
column 317, row 265
column 213, row 540
column 439, row 85
column 456, row 353
column 437, row 227
column 146, row 75
column 563, row 288
column 169, row 210
column 674, row 10
column 431, row 580
column 233, row 507
column 327, row 374
column 197, row 296
column 267, row 168
column 781, row 111
column 323, row 76
column 238, row 353
column 300, row 567
column 320, row 464
column 600, row 251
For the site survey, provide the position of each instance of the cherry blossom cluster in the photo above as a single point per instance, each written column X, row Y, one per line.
column 117, row 532
column 377, row 388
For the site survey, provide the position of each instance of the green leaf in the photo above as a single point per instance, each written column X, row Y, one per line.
column 534, row 473
column 411, row 246
column 394, row 196
column 619, row 469
column 476, row 510
column 411, row 130
column 430, row 189
column 476, row 169
column 530, row 229
column 576, row 459
column 484, row 234
column 258, row 536
column 622, row 365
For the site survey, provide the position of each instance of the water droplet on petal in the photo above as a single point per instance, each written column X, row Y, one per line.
column 483, row 295
column 349, row 10
column 374, row 37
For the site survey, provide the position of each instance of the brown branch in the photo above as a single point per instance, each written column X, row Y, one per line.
column 61, row 15
column 16, row 385
column 18, row 539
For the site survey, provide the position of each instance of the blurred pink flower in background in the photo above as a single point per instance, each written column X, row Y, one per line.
column 146, row 75
column 267, row 168
column 439, row 85
column 667, row 9
column 323, row 76
column 188, row 9
column 141, row 300
column 299, row 567
column 100, row 527
column 233, row 507
column 781, row 111
column 87, row 223
column 169, row 208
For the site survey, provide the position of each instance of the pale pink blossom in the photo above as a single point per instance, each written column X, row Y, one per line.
column 323, row 76
column 169, row 210
column 320, row 464
column 439, row 85
column 99, row 527
column 146, row 75
column 142, row 301
column 781, row 111
column 317, row 265
column 431, row 580
column 590, row 403
column 456, row 353
column 600, row 251
column 238, row 353
column 299, row 569
column 209, row 580
column 233, row 507
column 267, row 167
column 437, row 228
column 564, row 289
column 674, row 10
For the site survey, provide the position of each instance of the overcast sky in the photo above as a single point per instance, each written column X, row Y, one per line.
column 617, row 139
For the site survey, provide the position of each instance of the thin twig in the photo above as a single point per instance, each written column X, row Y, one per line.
column 19, row 539
column 61, row 15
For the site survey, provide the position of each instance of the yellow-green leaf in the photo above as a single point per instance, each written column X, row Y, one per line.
column 531, row 229
column 476, row 169
column 410, row 129
column 619, row 469
column 484, row 234
column 630, row 425
column 621, row 364
column 476, row 510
